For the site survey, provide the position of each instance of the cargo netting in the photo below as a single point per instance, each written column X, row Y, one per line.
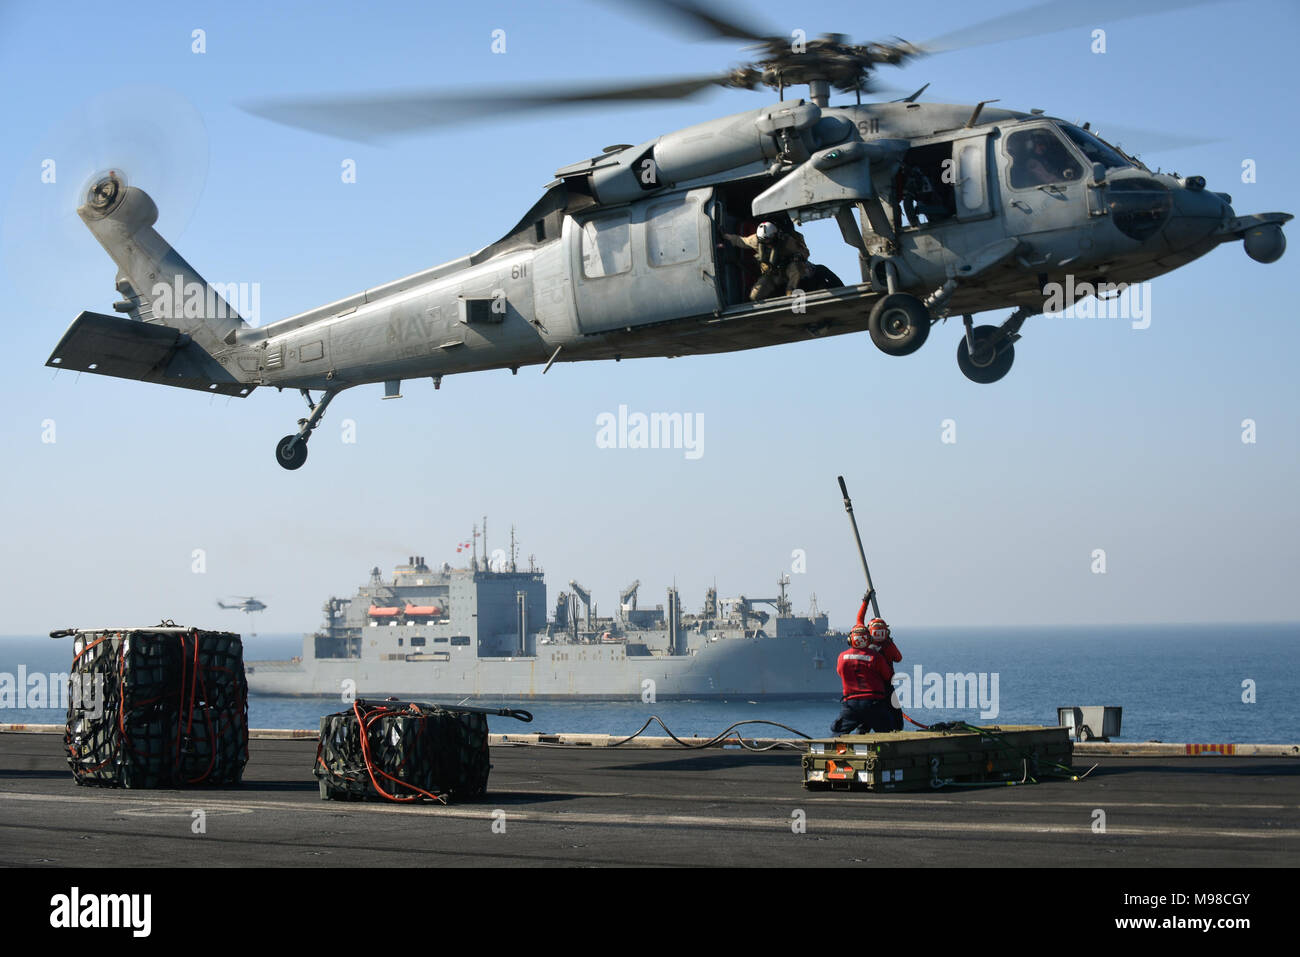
column 403, row 752
column 157, row 709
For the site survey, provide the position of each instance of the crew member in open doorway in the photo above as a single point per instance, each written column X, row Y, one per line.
column 782, row 257
column 866, row 669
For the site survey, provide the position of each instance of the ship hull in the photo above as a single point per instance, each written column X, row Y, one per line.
column 760, row 667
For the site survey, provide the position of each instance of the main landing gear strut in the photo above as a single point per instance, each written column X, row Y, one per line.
column 986, row 353
column 900, row 324
column 291, row 451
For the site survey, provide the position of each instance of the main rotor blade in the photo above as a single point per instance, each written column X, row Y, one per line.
column 706, row 18
column 1051, row 16
column 1139, row 141
column 376, row 117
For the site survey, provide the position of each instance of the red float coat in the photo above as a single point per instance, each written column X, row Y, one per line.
column 868, row 672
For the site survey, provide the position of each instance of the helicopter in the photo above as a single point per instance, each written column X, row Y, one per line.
column 246, row 603
column 952, row 210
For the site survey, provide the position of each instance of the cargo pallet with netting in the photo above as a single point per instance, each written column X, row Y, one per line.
column 402, row 752
column 156, row 707
column 961, row 755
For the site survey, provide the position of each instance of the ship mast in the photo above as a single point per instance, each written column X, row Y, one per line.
column 783, row 606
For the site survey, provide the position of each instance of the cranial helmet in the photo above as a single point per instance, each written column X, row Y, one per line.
column 858, row 636
column 766, row 232
column 878, row 629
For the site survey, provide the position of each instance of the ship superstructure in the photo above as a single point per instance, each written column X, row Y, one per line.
column 482, row 631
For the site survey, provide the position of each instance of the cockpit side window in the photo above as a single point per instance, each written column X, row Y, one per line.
column 1040, row 158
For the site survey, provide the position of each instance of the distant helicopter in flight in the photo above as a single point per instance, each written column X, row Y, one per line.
column 246, row 603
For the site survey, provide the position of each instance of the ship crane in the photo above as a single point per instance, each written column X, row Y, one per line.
column 627, row 597
column 745, row 608
column 782, row 604
column 585, row 597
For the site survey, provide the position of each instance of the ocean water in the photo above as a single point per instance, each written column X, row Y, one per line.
column 1181, row 683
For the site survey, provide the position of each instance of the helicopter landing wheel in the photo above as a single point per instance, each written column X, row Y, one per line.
column 291, row 451
column 899, row 324
column 989, row 362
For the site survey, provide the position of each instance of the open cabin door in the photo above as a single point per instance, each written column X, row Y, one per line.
column 647, row 262
column 944, row 201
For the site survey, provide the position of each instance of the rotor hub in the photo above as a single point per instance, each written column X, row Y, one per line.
column 106, row 192
column 845, row 66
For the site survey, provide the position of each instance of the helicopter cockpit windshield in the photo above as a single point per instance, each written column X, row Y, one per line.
column 1096, row 150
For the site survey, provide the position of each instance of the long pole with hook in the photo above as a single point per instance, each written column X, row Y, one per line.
column 848, row 507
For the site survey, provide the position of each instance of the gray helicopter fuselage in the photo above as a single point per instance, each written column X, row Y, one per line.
column 962, row 209
column 637, row 274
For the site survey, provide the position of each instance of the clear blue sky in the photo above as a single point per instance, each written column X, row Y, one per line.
column 1102, row 437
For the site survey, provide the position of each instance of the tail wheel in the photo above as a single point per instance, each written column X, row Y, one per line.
column 989, row 362
column 291, row 452
column 899, row 324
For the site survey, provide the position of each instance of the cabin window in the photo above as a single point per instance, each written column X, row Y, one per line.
column 480, row 310
column 672, row 233
column 417, row 641
column 1040, row 158
column 460, row 639
column 970, row 174
column 606, row 246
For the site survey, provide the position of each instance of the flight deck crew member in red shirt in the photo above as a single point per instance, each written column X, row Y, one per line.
column 866, row 669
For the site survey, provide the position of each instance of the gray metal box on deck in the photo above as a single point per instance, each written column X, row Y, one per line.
column 1091, row 723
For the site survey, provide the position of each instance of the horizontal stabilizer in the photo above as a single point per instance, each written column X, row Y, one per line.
column 144, row 351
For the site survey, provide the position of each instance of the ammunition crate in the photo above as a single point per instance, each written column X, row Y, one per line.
column 411, row 752
column 925, row 760
column 157, row 708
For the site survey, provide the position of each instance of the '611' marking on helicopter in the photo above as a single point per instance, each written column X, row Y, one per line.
column 951, row 209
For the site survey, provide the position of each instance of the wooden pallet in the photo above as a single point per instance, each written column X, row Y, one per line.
column 928, row 760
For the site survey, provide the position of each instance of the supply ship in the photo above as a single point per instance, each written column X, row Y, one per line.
column 482, row 632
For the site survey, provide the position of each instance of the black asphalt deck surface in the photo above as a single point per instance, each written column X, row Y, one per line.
column 577, row 806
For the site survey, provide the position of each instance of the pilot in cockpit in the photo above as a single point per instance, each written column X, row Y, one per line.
column 1045, row 161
